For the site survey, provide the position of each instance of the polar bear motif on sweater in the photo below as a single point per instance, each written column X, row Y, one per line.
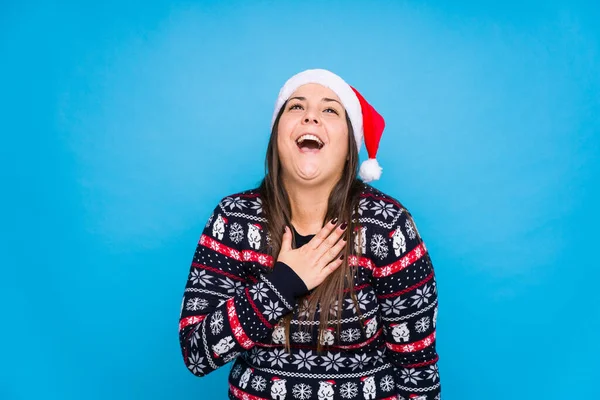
column 398, row 242
column 278, row 335
column 327, row 337
column 219, row 227
column 369, row 387
column 278, row 389
column 223, row 346
column 325, row 390
column 245, row 377
column 254, row 235
column 362, row 243
column 371, row 327
column 400, row 332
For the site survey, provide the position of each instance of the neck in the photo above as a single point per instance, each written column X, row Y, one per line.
column 308, row 205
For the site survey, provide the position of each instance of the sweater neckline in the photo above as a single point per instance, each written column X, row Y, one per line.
column 301, row 240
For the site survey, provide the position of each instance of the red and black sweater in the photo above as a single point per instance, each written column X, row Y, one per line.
column 236, row 294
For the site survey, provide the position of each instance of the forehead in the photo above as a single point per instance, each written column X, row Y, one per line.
column 315, row 90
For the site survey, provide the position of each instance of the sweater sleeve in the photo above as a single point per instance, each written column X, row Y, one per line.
column 405, row 287
column 224, row 309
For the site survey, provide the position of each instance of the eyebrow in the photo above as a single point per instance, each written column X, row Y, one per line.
column 323, row 99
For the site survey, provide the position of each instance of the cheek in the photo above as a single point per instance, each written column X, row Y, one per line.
column 283, row 143
column 285, row 126
column 282, row 131
column 342, row 153
column 284, row 148
column 339, row 137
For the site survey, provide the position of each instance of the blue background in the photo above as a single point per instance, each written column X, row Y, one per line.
column 123, row 125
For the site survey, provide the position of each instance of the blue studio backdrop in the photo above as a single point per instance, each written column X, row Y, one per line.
column 123, row 124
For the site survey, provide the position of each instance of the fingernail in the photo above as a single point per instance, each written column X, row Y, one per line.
column 284, row 229
column 342, row 257
column 335, row 220
column 344, row 238
column 343, row 226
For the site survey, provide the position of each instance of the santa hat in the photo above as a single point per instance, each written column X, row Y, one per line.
column 258, row 226
column 331, row 382
column 367, row 123
column 362, row 378
column 275, row 378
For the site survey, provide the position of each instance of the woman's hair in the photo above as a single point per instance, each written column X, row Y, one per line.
column 342, row 204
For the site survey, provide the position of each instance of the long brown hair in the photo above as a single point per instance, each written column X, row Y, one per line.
column 342, row 204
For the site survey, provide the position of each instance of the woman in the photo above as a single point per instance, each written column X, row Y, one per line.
column 315, row 283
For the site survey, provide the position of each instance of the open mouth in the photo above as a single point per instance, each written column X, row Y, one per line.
column 309, row 142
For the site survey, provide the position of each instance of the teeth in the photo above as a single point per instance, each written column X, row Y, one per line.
column 310, row 137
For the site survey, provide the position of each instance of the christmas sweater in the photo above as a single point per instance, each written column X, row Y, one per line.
column 236, row 295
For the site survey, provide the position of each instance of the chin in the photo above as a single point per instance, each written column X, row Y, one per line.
column 317, row 178
column 310, row 173
column 312, row 177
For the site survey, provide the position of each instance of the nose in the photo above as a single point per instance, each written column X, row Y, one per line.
column 310, row 117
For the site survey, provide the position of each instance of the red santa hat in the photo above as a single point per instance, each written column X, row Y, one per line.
column 258, row 226
column 362, row 379
column 331, row 382
column 275, row 378
column 367, row 123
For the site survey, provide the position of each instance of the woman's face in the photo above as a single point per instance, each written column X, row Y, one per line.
column 313, row 135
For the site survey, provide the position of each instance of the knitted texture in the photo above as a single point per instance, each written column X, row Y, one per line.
column 236, row 294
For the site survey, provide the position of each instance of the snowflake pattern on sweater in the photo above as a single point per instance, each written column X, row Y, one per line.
column 236, row 294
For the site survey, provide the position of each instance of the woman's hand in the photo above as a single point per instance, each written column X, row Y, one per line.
column 318, row 258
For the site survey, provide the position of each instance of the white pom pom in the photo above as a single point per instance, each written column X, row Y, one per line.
column 370, row 170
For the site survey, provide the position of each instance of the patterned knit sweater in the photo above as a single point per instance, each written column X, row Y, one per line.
column 236, row 295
